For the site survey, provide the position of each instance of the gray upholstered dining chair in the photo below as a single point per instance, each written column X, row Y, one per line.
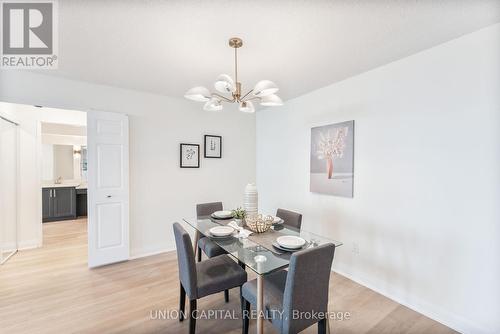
column 205, row 244
column 291, row 219
column 304, row 288
column 201, row 279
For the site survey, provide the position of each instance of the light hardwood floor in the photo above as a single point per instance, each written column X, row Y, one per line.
column 51, row 290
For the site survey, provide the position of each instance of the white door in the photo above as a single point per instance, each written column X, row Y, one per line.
column 108, row 188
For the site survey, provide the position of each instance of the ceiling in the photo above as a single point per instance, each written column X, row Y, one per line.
column 166, row 47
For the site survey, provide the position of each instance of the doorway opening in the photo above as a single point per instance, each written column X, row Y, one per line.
column 64, row 182
column 44, row 172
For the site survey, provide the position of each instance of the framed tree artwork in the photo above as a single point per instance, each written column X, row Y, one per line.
column 190, row 156
column 213, row 146
column 332, row 159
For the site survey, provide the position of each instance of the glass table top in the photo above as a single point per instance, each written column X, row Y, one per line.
column 256, row 251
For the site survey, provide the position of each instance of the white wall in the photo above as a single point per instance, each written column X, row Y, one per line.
column 425, row 212
column 50, row 138
column 160, row 191
column 47, row 162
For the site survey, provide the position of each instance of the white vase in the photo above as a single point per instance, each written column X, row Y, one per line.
column 251, row 199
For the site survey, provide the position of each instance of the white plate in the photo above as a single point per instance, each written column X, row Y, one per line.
column 211, row 236
column 275, row 245
column 276, row 219
column 222, row 214
column 290, row 241
column 221, row 231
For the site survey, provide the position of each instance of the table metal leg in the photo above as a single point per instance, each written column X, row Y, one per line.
column 260, row 304
column 328, row 319
column 195, row 242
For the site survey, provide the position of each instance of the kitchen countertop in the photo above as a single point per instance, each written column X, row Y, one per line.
column 76, row 185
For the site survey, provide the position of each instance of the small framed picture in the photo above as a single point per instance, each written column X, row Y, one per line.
column 190, row 156
column 213, row 146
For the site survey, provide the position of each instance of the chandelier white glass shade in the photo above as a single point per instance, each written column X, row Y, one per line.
column 263, row 92
column 200, row 94
column 265, row 88
column 213, row 105
column 247, row 106
column 271, row 100
column 225, row 84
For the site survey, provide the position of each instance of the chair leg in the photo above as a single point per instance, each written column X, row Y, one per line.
column 182, row 303
column 192, row 319
column 199, row 254
column 245, row 311
column 322, row 326
column 226, row 296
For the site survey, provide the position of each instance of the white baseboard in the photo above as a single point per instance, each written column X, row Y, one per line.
column 9, row 247
column 138, row 253
column 431, row 311
column 29, row 244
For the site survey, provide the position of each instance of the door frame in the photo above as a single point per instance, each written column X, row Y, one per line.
column 17, row 182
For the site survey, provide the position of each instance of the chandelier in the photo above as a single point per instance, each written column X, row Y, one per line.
column 263, row 92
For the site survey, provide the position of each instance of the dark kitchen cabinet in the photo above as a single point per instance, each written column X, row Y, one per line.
column 81, row 202
column 58, row 203
column 46, row 203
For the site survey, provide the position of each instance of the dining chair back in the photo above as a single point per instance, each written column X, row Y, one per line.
column 291, row 219
column 217, row 274
column 203, row 243
column 185, row 259
column 206, row 209
column 306, row 287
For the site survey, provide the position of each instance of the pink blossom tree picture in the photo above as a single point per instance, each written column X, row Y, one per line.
column 332, row 154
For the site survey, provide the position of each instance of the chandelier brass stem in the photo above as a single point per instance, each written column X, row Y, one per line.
column 253, row 98
column 264, row 91
column 236, row 64
column 236, row 43
column 224, row 98
column 243, row 97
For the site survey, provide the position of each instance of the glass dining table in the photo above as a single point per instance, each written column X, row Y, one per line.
column 256, row 251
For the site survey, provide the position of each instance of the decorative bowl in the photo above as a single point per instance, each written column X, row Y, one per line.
column 259, row 223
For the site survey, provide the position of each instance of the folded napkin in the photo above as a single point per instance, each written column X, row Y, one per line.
column 242, row 233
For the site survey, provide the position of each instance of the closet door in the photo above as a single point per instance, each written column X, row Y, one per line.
column 8, row 189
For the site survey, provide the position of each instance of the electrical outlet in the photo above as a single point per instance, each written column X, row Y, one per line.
column 355, row 248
